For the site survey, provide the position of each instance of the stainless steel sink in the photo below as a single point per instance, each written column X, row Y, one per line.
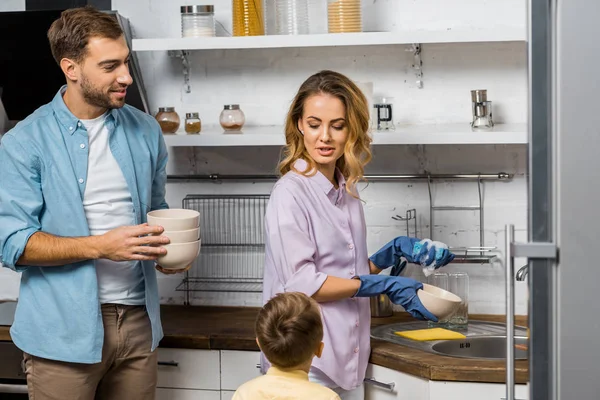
column 485, row 340
column 489, row 347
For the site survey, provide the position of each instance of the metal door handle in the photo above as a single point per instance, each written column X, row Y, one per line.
column 532, row 250
column 168, row 363
column 388, row 386
column 6, row 388
column 510, row 314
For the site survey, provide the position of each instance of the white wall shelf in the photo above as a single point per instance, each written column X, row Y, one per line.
column 449, row 134
column 493, row 34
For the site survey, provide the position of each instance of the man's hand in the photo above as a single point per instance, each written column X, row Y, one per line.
column 172, row 271
column 132, row 243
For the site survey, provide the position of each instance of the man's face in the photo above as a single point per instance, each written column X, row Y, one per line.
column 104, row 74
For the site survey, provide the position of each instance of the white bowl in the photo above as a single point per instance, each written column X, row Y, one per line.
column 174, row 219
column 189, row 235
column 179, row 255
column 439, row 302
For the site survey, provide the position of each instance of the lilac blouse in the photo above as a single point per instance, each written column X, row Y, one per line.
column 313, row 230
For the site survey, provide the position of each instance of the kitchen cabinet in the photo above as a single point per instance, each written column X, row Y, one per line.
column 405, row 386
column 185, row 374
column 473, row 391
column 189, row 369
column 227, row 394
column 187, row 394
column 238, row 367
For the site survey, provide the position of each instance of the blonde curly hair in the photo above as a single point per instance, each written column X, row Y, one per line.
column 357, row 152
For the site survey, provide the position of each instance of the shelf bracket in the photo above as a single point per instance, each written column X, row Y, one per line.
column 183, row 54
column 417, row 63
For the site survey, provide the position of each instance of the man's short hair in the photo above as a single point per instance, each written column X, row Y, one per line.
column 70, row 33
column 289, row 329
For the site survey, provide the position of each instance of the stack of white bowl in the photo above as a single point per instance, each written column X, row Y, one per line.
column 182, row 227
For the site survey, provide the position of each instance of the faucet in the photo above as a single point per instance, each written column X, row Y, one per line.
column 522, row 272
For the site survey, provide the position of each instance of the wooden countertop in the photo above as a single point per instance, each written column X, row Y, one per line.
column 232, row 328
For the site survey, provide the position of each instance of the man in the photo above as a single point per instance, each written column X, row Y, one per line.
column 77, row 178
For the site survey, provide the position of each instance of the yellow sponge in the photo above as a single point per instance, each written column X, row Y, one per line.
column 423, row 335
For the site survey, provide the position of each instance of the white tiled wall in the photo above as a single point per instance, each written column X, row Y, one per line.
column 264, row 81
column 504, row 202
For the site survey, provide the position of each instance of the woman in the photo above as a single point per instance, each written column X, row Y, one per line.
column 316, row 234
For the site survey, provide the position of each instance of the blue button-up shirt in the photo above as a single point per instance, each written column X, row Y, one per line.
column 43, row 171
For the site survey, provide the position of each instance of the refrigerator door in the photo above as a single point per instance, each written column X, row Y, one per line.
column 577, row 117
column 564, row 195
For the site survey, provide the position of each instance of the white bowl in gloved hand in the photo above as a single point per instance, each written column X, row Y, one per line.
column 439, row 302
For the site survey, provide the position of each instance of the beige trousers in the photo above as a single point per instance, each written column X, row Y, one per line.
column 128, row 369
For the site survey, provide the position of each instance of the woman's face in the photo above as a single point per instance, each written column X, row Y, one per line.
column 325, row 130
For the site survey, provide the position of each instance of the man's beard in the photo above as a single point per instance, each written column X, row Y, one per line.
column 96, row 97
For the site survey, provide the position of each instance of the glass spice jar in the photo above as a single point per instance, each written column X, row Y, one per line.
column 168, row 119
column 197, row 21
column 192, row 123
column 232, row 117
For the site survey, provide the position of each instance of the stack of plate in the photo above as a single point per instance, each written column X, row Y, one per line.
column 344, row 16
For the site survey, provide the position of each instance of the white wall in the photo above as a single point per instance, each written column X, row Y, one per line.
column 264, row 81
column 12, row 5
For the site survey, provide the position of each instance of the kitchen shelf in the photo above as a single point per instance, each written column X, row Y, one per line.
column 447, row 134
column 492, row 34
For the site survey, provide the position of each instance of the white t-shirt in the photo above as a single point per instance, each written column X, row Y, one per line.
column 108, row 205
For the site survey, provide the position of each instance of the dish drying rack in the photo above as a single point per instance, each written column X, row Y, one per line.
column 464, row 255
column 232, row 252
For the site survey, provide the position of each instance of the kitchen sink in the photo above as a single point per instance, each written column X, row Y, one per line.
column 490, row 347
column 484, row 340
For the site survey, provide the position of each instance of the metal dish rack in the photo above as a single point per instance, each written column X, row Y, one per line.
column 464, row 255
column 232, row 253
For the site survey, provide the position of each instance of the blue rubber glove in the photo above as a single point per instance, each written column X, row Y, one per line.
column 399, row 289
column 398, row 268
column 414, row 250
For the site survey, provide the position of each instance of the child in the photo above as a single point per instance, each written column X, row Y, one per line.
column 289, row 331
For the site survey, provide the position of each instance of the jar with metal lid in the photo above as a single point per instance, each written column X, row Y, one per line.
column 168, row 119
column 192, row 123
column 197, row 21
column 232, row 118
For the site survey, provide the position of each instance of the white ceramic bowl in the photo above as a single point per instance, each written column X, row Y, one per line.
column 179, row 255
column 189, row 235
column 174, row 219
column 439, row 302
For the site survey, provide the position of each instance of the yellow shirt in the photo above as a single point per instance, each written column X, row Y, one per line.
column 281, row 385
